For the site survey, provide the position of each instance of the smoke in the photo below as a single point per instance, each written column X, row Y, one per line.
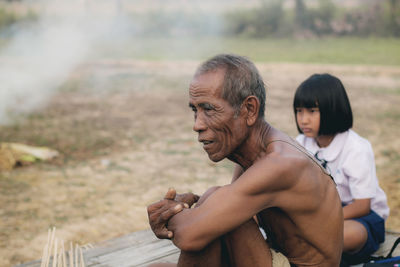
column 40, row 56
column 36, row 61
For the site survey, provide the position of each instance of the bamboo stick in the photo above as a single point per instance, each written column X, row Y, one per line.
column 53, row 232
column 63, row 255
column 45, row 250
column 71, row 255
column 76, row 255
column 44, row 256
column 59, row 259
column 55, row 253
column 82, row 261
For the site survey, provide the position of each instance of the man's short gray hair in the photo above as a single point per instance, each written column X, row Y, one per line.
column 241, row 79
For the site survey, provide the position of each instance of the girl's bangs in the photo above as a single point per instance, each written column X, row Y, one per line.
column 305, row 99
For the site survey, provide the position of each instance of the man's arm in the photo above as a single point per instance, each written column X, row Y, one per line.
column 263, row 185
column 237, row 172
column 160, row 212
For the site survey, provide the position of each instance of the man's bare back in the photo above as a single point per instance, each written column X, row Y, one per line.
column 300, row 226
column 295, row 201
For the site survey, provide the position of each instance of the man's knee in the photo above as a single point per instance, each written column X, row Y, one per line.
column 206, row 194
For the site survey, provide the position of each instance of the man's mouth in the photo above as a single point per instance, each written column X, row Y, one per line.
column 206, row 143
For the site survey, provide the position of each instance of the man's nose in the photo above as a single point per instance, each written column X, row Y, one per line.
column 199, row 124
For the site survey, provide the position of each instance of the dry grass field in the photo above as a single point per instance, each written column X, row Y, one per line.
column 124, row 142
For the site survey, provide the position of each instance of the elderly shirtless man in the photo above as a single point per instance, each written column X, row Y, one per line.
column 276, row 185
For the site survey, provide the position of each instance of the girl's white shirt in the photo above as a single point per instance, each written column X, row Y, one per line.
column 351, row 163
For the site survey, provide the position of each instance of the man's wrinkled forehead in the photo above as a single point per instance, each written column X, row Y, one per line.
column 206, row 83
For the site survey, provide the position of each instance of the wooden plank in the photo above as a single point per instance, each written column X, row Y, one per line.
column 136, row 249
column 136, row 255
column 142, row 248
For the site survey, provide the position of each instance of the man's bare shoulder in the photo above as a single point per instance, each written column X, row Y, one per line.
column 287, row 156
column 287, row 167
column 278, row 169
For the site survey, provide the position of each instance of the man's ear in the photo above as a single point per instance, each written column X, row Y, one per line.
column 251, row 105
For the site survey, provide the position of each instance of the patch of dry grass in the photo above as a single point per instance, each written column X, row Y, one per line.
column 125, row 140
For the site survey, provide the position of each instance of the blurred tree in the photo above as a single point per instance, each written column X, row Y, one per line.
column 263, row 21
column 301, row 14
column 322, row 17
column 6, row 18
column 394, row 19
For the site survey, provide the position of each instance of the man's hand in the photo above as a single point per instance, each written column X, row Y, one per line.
column 187, row 199
column 160, row 212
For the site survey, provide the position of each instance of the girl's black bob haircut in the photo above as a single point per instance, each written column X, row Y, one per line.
column 328, row 94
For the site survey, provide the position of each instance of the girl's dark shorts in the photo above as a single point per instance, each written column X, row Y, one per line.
column 375, row 226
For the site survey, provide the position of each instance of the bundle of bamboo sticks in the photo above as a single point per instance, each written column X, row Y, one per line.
column 60, row 257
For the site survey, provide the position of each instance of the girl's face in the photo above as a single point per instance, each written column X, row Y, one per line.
column 308, row 120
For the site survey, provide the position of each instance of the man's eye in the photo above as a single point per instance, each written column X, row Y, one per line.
column 208, row 107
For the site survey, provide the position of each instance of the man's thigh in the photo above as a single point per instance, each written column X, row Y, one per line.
column 246, row 246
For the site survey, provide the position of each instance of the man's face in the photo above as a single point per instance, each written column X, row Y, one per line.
column 220, row 131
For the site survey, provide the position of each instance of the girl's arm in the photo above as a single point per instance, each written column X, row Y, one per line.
column 358, row 208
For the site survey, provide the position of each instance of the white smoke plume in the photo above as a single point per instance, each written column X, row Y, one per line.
column 40, row 56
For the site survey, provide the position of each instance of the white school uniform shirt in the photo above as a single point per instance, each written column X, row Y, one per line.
column 350, row 160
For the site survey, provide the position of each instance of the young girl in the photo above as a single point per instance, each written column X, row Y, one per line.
column 324, row 120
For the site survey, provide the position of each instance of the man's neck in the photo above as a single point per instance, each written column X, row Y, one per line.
column 253, row 147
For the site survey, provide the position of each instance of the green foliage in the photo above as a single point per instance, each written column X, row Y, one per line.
column 374, row 18
column 262, row 21
column 10, row 18
column 273, row 18
column 174, row 23
column 322, row 17
column 6, row 18
column 391, row 18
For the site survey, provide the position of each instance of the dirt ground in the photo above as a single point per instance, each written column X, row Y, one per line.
column 125, row 135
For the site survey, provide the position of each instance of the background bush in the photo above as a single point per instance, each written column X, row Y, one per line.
column 9, row 19
column 372, row 18
column 271, row 18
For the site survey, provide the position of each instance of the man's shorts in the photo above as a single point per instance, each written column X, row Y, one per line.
column 375, row 226
column 278, row 259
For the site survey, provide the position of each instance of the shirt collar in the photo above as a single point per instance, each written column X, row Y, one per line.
column 332, row 151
